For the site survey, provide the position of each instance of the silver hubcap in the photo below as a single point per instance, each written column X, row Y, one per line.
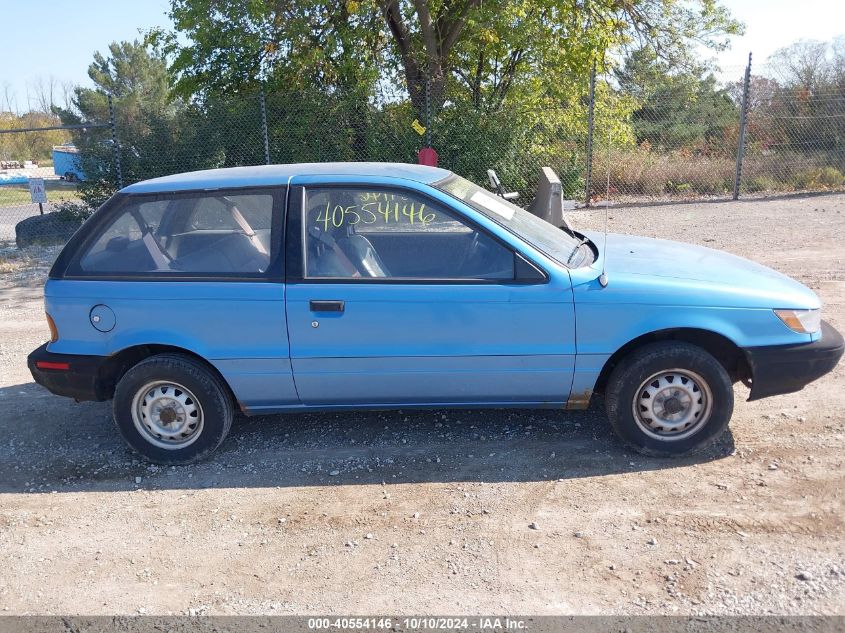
column 672, row 405
column 167, row 415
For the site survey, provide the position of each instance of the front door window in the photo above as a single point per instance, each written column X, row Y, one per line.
column 356, row 233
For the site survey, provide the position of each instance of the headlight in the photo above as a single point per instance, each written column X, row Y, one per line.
column 804, row 321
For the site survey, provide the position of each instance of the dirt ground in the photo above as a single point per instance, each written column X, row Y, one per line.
column 431, row 512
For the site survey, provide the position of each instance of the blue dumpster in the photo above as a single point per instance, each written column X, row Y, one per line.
column 66, row 163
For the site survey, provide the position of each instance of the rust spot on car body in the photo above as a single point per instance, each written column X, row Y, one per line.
column 579, row 401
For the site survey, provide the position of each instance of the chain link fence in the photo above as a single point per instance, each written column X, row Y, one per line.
column 602, row 140
column 58, row 163
column 26, row 155
column 668, row 143
column 795, row 136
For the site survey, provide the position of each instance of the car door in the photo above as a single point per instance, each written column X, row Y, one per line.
column 396, row 296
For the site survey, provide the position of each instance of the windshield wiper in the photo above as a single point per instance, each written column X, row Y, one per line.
column 568, row 229
column 577, row 248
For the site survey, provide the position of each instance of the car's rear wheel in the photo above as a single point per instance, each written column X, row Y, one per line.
column 669, row 398
column 172, row 409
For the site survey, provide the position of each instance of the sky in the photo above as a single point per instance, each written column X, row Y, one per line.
column 44, row 38
column 774, row 24
column 40, row 39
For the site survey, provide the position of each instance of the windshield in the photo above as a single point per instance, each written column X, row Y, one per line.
column 543, row 236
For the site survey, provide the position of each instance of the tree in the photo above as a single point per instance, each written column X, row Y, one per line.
column 483, row 50
column 43, row 93
column 838, row 61
column 136, row 77
column 804, row 63
column 29, row 145
column 9, row 102
column 133, row 74
column 804, row 112
column 308, row 43
column 679, row 108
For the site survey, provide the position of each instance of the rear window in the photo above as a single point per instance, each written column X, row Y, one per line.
column 206, row 234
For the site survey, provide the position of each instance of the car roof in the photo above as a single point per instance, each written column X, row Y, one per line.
column 263, row 175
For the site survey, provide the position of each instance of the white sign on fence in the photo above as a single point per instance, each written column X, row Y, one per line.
column 37, row 190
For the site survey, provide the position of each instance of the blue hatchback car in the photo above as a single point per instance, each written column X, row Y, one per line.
column 327, row 286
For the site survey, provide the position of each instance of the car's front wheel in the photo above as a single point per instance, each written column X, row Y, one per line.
column 172, row 409
column 669, row 398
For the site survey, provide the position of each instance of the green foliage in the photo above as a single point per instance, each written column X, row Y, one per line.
column 821, row 178
column 491, row 51
column 35, row 146
column 95, row 191
column 134, row 75
column 677, row 108
column 756, row 184
column 137, row 79
column 309, row 126
column 223, row 45
column 508, row 80
column 798, row 106
column 796, row 130
column 510, row 93
column 73, row 211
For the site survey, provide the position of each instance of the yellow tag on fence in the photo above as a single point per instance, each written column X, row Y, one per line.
column 419, row 128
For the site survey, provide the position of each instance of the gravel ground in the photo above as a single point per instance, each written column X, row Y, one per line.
column 438, row 512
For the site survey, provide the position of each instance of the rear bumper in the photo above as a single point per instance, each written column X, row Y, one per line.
column 788, row 368
column 69, row 375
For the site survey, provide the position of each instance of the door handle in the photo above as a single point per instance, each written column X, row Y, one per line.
column 326, row 306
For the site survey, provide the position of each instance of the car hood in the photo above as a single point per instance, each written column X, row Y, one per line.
column 655, row 263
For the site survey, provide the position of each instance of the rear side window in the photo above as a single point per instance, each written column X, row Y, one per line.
column 214, row 233
column 212, row 212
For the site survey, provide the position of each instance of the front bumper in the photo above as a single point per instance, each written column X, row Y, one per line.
column 69, row 375
column 779, row 369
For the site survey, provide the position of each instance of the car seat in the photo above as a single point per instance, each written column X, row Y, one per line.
column 340, row 252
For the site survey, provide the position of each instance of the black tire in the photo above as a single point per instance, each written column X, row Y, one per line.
column 634, row 370
column 214, row 405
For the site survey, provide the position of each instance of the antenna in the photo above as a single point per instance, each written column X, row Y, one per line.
column 603, row 276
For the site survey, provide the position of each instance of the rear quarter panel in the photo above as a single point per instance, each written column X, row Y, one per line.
column 239, row 327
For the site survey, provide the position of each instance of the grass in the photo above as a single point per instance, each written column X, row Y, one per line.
column 637, row 173
column 18, row 195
